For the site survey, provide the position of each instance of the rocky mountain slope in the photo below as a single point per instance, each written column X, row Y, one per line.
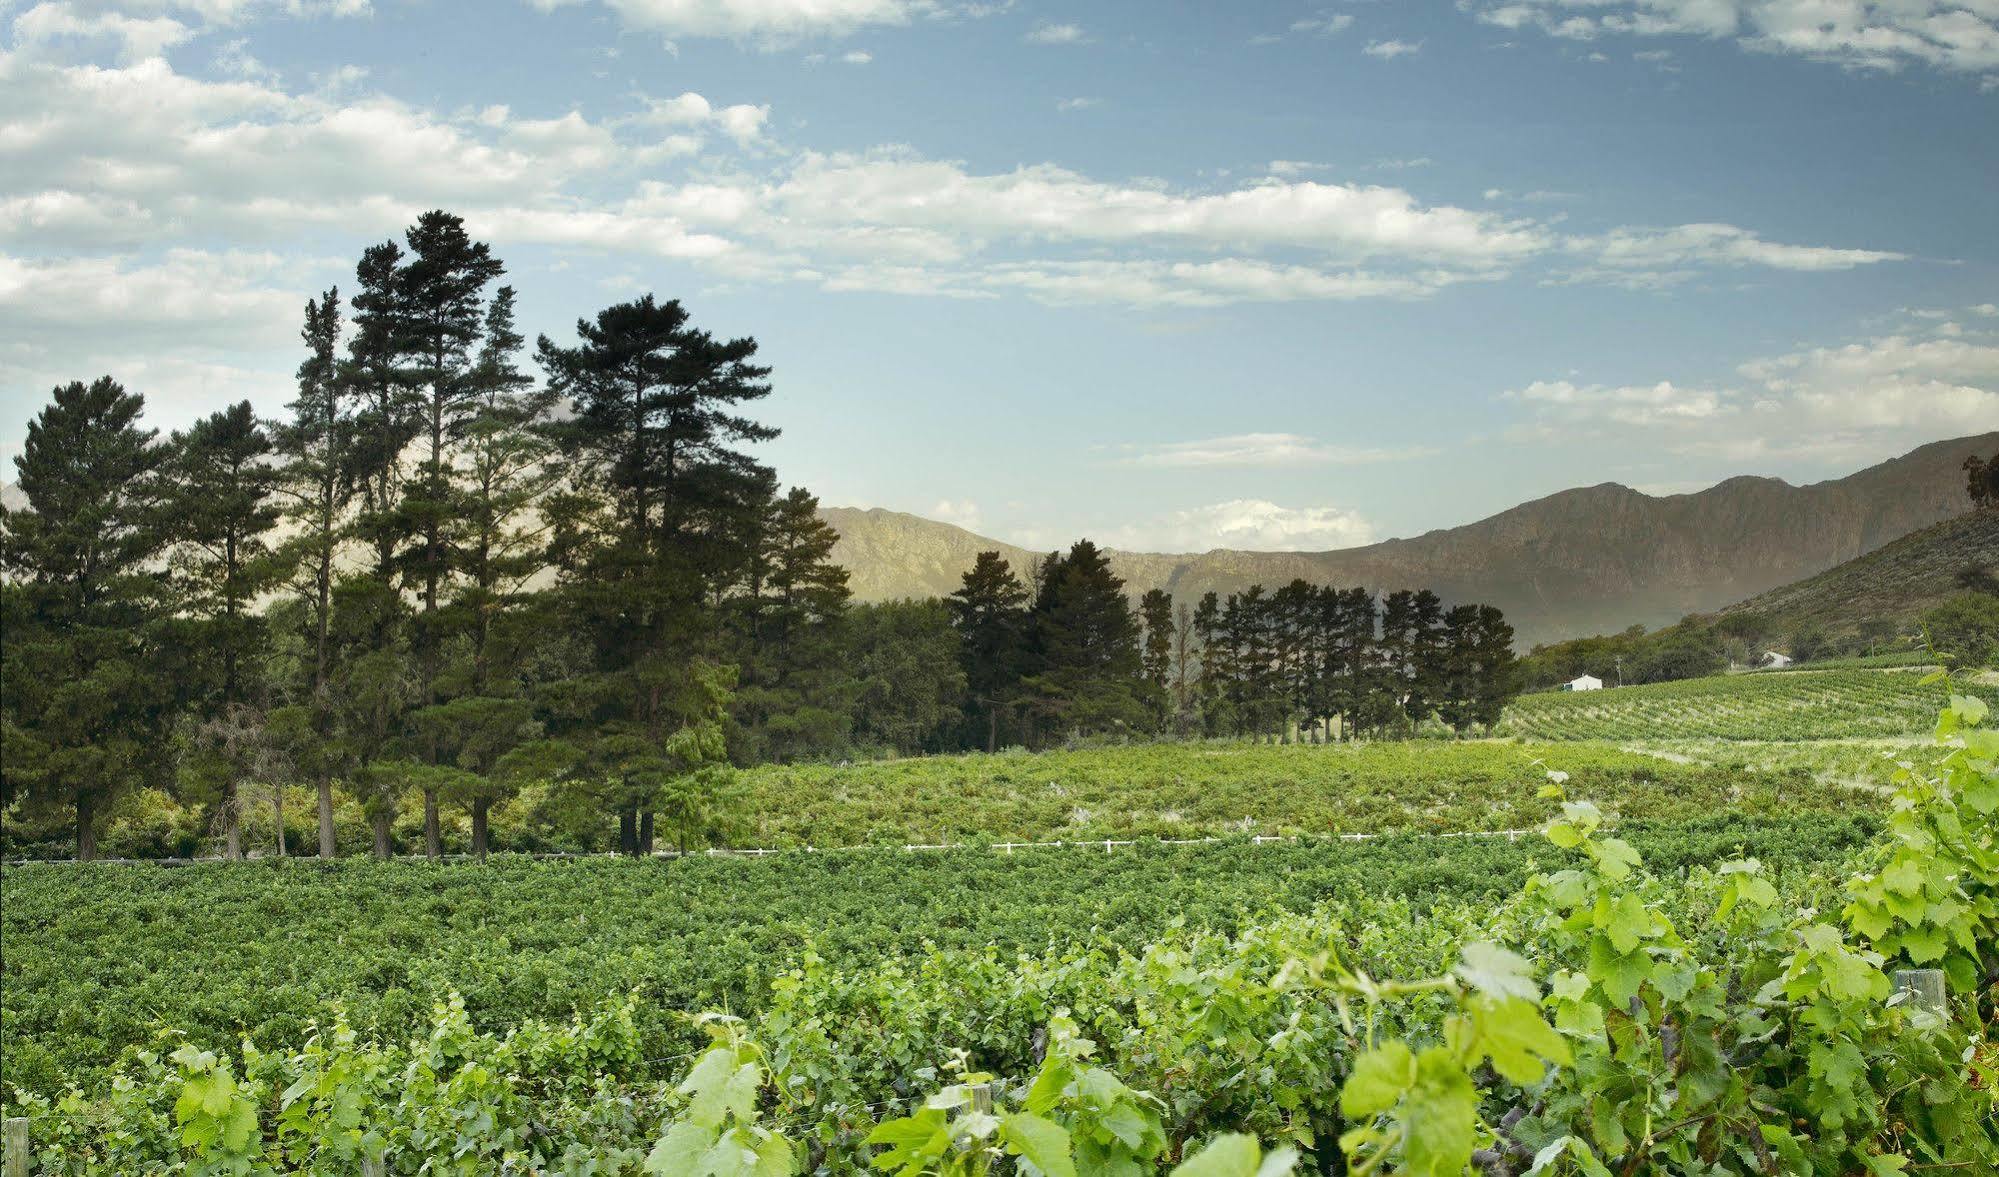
column 1591, row 560
column 1892, row 586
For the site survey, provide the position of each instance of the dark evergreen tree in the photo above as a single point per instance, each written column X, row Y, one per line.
column 793, row 698
column 1155, row 611
column 489, row 629
column 219, row 512
column 317, row 492
column 990, row 613
column 1087, row 677
column 441, row 292
column 656, row 526
column 87, row 709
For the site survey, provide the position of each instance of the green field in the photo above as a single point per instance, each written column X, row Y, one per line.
column 1780, row 706
column 1196, row 790
column 538, row 1014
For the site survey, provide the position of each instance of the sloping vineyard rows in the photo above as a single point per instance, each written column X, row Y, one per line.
column 1604, row 1018
column 1792, row 705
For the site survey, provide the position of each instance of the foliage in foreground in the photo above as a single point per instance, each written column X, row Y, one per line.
column 99, row 959
column 1699, row 1028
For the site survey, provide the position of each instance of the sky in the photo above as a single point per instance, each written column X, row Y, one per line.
column 1171, row 275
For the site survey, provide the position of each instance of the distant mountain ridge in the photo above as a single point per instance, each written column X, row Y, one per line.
column 1593, row 559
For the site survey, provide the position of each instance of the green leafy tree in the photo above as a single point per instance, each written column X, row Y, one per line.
column 909, row 687
column 87, row 712
column 1964, row 630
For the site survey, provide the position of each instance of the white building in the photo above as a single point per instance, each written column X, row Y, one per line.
column 1772, row 660
column 1587, row 682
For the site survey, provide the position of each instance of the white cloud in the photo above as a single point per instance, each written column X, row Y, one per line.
column 1325, row 24
column 1056, row 34
column 1265, row 450
column 963, row 513
column 1389, row 50
column 143, row 157
column 1858, row 401
column 857, row 57
column 770, row 23
column 1712, row 244
column 137, row 37
column 1636, row 405
column 1075, row 103
column 1954, row 35
column 1250, row 524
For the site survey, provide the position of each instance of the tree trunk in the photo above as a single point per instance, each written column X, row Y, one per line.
column 645, row 832
column 326, row 847
column 433, row 839
column 992, row 730
column 232, row 826
column 381, row 822
column 628, row 831
column 86, row 827
column 479, row 807
column 278, row 815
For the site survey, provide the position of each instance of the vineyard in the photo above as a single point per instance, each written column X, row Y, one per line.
column 1604, row 997
column 1791, row 705
column 1194, row 790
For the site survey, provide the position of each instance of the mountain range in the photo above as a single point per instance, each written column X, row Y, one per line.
column 1594, row 559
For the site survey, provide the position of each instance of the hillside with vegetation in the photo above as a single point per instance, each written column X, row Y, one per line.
column 1591, row 559
column 1884, row 593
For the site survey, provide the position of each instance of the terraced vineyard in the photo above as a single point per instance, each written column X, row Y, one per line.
column 1792, row 705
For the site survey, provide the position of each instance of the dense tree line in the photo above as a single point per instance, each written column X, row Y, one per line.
column 444, row 574
column 435, row 578
column 1073, row 655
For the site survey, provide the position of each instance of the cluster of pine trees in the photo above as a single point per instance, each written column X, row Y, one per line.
column 440, row 577
column 1072, row 655
column 435, row 578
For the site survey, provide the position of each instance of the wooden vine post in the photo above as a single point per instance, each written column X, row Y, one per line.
column 17, row 1147
column 1924, row 989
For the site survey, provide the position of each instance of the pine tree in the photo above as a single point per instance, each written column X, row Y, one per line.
column 507, row 469
column 87, row 712
column 656, row 528
column 792, row 694
column 372, row 618
column 909, row 687
column 1155, row 610
column 318, row 493
column 1087, row 674
column 220, row 512
column 441, row 292
column 989, row 611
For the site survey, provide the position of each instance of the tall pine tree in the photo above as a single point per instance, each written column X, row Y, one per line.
column 87, row 707
column 220, row 511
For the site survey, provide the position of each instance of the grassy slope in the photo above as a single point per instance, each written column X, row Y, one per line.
column 1896, row 583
